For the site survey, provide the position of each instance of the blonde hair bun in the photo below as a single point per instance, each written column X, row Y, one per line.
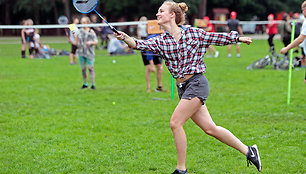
column 183, row 7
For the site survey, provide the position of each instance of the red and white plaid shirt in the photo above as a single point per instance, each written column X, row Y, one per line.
column 186, row 55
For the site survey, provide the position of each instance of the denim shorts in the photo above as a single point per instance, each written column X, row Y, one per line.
column 195, row 86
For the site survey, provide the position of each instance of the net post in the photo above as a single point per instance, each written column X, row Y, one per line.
column 290, row 64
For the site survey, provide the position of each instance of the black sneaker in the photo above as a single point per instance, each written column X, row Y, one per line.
column 93, row 87
column 253, row 157
column 84, row 87
column 178, row 171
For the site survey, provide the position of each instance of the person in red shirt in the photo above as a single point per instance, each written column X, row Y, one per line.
column 210, row 28
column 271, row 30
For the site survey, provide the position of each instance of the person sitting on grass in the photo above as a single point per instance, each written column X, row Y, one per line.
column 116, row 46
column 41, row 50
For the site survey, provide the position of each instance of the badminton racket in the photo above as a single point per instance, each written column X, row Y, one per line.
column 87, row 6
column 63, row 20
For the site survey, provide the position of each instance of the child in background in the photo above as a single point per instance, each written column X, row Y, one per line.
column 71, row 40
column 27, row 36
column 86, row 40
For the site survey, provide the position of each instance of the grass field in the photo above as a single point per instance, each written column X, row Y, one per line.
column 49, row 125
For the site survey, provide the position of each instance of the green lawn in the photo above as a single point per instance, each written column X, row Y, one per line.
column 49, row 125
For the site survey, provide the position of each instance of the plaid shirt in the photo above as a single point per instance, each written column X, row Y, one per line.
column 186, row 55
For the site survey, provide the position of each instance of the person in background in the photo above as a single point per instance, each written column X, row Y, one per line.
column 86, row 41
column 94, row 20
column 149, row 60
column 271, row 30
column 71, row 40
column 41, row 50
column 27, row 37
column 285, row 31
column 36, row 44
column 300, row 40
column 233, row 25
column 210, row 28
column 116, row 46
column 142, row 28
column 297, row 31
column 23, row 40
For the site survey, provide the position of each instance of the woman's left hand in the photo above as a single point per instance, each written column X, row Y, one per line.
column 88, row 43
column 246, row 40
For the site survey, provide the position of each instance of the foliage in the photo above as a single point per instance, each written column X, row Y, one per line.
column 246, row 9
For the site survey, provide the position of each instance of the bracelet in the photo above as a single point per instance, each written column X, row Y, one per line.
column 237, row 39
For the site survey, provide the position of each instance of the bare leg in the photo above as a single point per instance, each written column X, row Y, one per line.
column 31, row 50
column 159, row 68
column 212, row 48
column 229, row 50
column 209, row 51
column 71, row 58
column 149, row 69
column 74, row 59
column 148, row 78
column 181, row 114
column 92, row 75
column 238, row 49
column 203, row 119
column 23, row 50
column 84, row 75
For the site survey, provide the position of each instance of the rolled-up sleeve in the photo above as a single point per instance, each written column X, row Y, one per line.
column 219, row 39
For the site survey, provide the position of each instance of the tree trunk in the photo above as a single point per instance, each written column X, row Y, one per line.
column 36, row 13
column 67, row 9
column 7, row 16
column 55, row 15
column 202, row 9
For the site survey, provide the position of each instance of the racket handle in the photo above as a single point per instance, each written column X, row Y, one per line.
column 114, row 29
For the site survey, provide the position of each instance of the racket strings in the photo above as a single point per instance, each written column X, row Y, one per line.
column 85, row 6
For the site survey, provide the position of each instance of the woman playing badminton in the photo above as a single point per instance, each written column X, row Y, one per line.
column 183, row 50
